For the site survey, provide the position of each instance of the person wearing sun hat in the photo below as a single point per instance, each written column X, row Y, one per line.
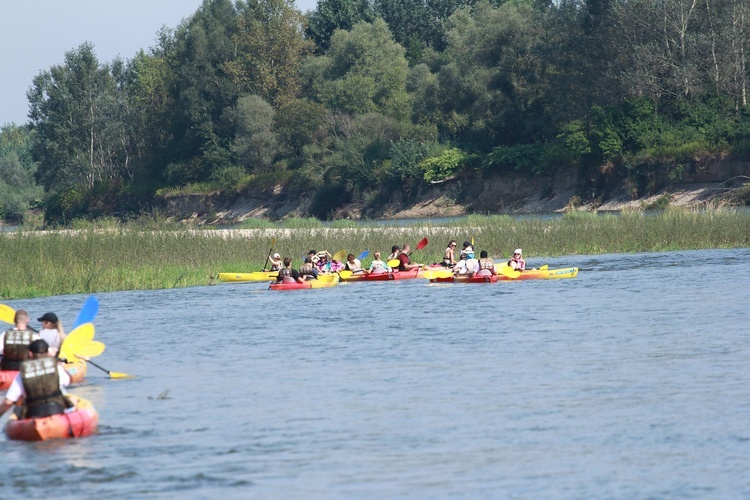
column 516, row 262
column 276, row 262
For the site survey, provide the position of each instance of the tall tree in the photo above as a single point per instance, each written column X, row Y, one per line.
column 18, row 189
column 332, row 15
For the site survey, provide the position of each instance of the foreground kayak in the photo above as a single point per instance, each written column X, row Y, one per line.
column 323, row 281
column 77, row 372
column 247, row 277
column 82, row 421
column 395, row 275
column 536, row 274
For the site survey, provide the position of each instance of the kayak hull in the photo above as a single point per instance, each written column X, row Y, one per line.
column 77, row 372
column 540, row 274
column 323, row 281
column 83, row 421
column 465, row 279
column 395, row 275
column 257, row 276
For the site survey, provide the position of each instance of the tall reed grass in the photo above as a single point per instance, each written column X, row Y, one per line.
column 110, row 256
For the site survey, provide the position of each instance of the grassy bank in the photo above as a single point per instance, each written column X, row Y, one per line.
column 122, row 258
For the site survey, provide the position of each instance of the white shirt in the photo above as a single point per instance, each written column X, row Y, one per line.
column 15, row 391
column 52, row 337
column 354, row 266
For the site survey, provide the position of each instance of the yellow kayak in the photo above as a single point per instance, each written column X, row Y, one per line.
column 248, row 277
column 507, row 274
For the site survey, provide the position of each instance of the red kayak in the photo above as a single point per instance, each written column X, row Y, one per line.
column 82, row 421
column 465, row 279
column 395, row 275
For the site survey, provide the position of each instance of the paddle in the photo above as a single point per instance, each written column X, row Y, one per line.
column 509, row 273
column 345, row 274
column 431, row 275
column 91, row 350
column 76, row 341
column 273, row 243
column 339, row 256
column 393, row 263
column 88, row 312
column 544, row 267
column 7, row 314
column 111, row 374
column 363, row 255
column 422, row 243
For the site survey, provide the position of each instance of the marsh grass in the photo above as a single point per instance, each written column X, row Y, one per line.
column 108, row 257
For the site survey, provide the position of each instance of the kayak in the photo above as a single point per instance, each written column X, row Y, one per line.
column 82, row 421
column 323, row 281
column 247, row 277
column 77, row 372
column 464, row 279
column 537, row 274
column 395, row 275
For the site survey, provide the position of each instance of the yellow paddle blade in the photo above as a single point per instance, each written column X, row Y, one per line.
column 345, row 274
column 91, row 350
column 544, row 267
column 431, row 275
column 76, row 340
column 120, row 375
column 340, row 256
column 7, row 314
column 394, row 263
column 509, row 273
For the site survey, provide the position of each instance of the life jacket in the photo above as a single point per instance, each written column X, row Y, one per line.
column 41, row 383
column 471, row 265
column 285, row 274
column 520, row 263
column 447, row 258
column 306, row 269
column 16, row 348
column 276, row 267
column 486, row 264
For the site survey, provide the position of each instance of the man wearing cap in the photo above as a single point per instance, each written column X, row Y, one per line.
column 41, row 382
column 516, row 262
column 52, row 331
column 14, row 343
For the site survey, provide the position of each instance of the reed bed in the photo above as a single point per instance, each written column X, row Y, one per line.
column 96, row 259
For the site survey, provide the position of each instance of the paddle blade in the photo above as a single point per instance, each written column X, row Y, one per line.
column 340, row 256
column 345, row 274
column 91, row 350
column 75, row 341
column 120, row 375
column 422, row 243
column 509, row 273
column 273, row 242
column 431, row 275
column 363, row 255
column 88, row 311
column 393, row 263
column 544, row 267
column 7, row 314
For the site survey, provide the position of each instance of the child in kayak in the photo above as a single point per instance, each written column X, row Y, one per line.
column 378, row 266
column 276, row 262
column 516, row 262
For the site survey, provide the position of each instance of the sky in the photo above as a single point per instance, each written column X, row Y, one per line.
column 35, row 34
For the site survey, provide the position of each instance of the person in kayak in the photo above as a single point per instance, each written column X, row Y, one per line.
column 307, row 270
column 276, row 263
column 377, row 266
column 41, row 382
column 14, row 343
column 353, row 264
column 516, row 262
column 404, row 261
column 449, row 257
column 52, row 330
column 467, row 252
column 322, row 263
column 486, row 265
column 287, row 274
column 395, row 251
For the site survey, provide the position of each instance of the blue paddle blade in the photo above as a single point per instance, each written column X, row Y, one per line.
column 363, row 255
column 88, row 311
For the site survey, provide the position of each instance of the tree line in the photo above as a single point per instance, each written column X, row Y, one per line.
column 364, row 99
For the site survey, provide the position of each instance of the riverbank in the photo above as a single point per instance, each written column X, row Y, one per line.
column 46, row 263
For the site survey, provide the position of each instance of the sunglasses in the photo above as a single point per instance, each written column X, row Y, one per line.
column 516, row 254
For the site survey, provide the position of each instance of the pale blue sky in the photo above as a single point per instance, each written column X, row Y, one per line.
column 35, row 34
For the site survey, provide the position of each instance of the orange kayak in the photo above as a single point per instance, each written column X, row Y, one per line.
column 395, row 275
column 80, row 422
column 76, row 370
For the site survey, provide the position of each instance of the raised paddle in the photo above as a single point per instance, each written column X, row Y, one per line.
column 273, row 244
column 111, row 374
column 75, row 341
column 363, row 255
column 422, row 243
column 90, row 350
column 88, row 311
column 339, row 256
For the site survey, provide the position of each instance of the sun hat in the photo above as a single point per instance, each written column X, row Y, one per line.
column 518, row 251
column 276, row 256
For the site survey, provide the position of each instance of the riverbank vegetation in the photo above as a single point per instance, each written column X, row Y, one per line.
column 366, row 100
column 109, row 257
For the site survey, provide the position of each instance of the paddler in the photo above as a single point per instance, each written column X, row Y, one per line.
column 404, row 261
column 486, row 265
column 276, row 262
column 516, row 262
column 307, row 270
column 41, row 382
column 14, row 343
column 353, row 264
column 287, row 274
column 52, row 330
column 449, row 257
column 377, row 266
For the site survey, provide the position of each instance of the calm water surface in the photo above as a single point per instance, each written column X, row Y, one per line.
column 630, row 381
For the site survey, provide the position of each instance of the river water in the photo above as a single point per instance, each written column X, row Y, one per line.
column 630, row 381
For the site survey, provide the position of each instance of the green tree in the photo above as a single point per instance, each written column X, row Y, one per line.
column 332, row 15
column 256, row 143
column 18, row 189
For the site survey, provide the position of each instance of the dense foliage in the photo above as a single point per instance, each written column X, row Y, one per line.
column 361, row 99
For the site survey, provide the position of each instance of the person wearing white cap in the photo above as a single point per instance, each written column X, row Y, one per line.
column 276, row 262
column 516, row 262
